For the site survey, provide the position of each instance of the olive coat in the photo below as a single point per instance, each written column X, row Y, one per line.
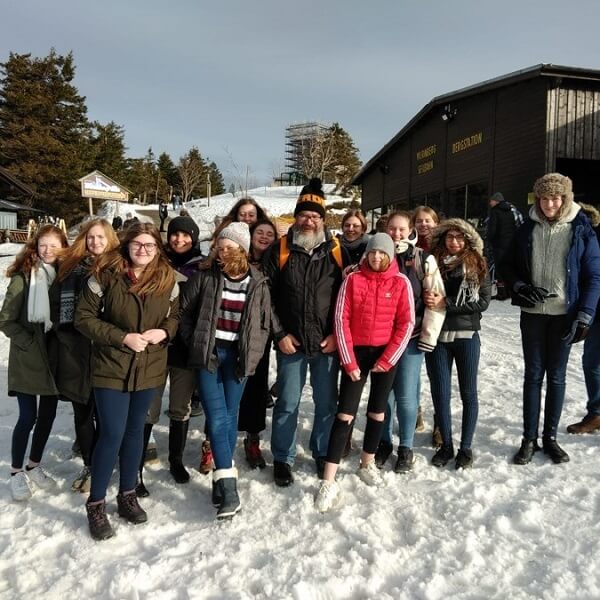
column 29, row 369
column 106, row 313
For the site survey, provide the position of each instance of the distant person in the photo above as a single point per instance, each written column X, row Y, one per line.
column 117, row 223
column 129, row 221
column 163, row 214
column 502, row 224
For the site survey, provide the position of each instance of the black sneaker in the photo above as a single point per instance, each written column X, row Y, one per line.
column 383, row 453
column 442, row 456
column 406, row 460
column 526, row 451
column 554, row 451
column 282, row 473
column 464, row 459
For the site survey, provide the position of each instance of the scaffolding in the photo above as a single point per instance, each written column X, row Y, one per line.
column 297, row 136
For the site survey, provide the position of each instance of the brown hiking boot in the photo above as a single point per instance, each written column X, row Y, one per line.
column 588, row 424
column 436, row 438
column 100, row 528
column 129, row 508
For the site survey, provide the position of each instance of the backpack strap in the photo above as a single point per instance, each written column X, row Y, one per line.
column 336, row 252
column 284, row 252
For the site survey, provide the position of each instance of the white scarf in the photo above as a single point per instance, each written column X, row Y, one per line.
column 38, row 303
column 468, row 290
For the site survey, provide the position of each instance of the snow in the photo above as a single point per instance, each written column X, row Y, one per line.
column 494, row 531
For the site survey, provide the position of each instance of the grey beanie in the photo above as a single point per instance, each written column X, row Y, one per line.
column 239, row 233
column 497, row 197
column 382, row 242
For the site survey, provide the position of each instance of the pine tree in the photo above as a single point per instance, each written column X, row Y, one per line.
column 108, row 149
column 217, row 184
column 44, row 130
column 346, row 163
column 170, row 181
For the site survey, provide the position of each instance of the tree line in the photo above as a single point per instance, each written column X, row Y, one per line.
column 48, row 142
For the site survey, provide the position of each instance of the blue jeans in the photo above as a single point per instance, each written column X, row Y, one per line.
column 591, row 368
column 291, row 377
column 405, row 395
column 31, row 417
column 220, row 394
column 465, row 352
column 544, row 353
column 121, row 417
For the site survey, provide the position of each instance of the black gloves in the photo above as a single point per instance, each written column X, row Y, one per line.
column 533, row 294
column 579, row 329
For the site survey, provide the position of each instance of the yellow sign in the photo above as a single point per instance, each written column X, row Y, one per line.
column 426, row 152
column 468, row 142
column 424, row 167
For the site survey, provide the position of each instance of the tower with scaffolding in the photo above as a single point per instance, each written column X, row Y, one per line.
column 297, row 137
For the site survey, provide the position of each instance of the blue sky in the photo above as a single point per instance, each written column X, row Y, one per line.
column 229, row 76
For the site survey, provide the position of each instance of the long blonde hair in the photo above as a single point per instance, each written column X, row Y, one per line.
column 28, row 257
column 235, row 264
column 157, row 277
column 74, row 254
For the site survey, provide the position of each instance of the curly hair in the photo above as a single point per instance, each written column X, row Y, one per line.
column 78, row 250
column 28, row 257
column 157, row 277
column 234, row 265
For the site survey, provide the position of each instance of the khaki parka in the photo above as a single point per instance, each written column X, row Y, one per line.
column 29, row 370
column 106, row 313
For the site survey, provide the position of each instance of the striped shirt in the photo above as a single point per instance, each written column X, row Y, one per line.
column 233, row 300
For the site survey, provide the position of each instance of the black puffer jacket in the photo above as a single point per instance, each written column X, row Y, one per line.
column 466, row 316
column 200, row 304
column 501, row 230
column 304, row 292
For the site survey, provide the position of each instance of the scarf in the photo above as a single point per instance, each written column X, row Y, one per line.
column 70, row 288
column 469, row 288
column 38, row 303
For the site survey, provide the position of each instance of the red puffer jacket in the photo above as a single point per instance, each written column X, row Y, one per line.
column 374, row 309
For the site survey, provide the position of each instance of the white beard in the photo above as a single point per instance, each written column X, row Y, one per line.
column 308, row 241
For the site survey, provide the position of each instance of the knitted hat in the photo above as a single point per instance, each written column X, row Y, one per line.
column 237, row 232
column 382, row 242
column 185, row 224
column 311, row 198
column 553, row 184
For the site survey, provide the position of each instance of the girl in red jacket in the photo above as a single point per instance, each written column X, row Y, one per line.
column 374, row 319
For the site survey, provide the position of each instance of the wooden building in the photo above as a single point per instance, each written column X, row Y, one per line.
column 496, row 136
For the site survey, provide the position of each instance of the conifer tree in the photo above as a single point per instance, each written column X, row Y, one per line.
column 217, row 185
column 44, row 130
column 170, row 181
column 108, row 150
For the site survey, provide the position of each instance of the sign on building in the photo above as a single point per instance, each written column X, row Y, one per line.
column 96, row 185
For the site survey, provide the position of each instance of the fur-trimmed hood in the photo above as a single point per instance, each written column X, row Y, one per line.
column 472, row 238
column 591, row 212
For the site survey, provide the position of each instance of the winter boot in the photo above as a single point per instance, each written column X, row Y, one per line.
column 177, row 436
column 253, row 453
column 140, row 489
column 98, row 522
column 443, row 455
column 554, row 451
column 226, row 485
column 383, row 453
column 526, row 451
column 207, row 463
column 406, row 460
column 420, row 424
column 464, row 459
column 129, row 508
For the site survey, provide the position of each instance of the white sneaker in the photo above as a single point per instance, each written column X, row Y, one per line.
column 20, row 486
column 40, row 478
column 328, row 497
column 83, row 481
column 370, row 474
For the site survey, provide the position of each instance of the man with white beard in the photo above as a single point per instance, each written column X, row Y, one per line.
column 305, row 269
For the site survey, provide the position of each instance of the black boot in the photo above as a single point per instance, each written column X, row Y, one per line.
column 130, row 509
column 383, row 453
column 526, row 451
column 140, row 489
column 554, row 451
column 443, row 455
column 177, row 436
column 226, row 484
column 100, row 528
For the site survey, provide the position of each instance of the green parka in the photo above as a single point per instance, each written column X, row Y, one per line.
column 106, row 313
column 29, row 370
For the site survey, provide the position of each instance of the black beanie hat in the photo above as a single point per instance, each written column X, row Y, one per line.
column 185, row 224
column 311, row 198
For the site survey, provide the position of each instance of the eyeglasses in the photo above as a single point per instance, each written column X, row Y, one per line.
column 149, row 247
column 313, row 218
column 459, row 237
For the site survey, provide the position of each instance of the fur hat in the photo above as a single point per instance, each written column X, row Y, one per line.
column 382, row 242
column 553, row 184
column 311, row 198
column 239, row 233
column 185, row 224
column 472, row 238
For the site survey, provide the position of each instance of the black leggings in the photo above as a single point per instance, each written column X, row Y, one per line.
column 86, row 428
column 350, row 394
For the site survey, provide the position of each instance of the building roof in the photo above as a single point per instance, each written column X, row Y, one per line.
column 543, row 69
column 7, row 176
column 15, row 207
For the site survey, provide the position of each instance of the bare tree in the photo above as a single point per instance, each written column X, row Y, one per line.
column 192, row 171
column 318, row 154
column 244, row 179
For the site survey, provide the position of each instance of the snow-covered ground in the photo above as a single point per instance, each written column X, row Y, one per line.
column 494, row 531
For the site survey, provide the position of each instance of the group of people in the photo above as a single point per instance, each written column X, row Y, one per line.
column 102, row 322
